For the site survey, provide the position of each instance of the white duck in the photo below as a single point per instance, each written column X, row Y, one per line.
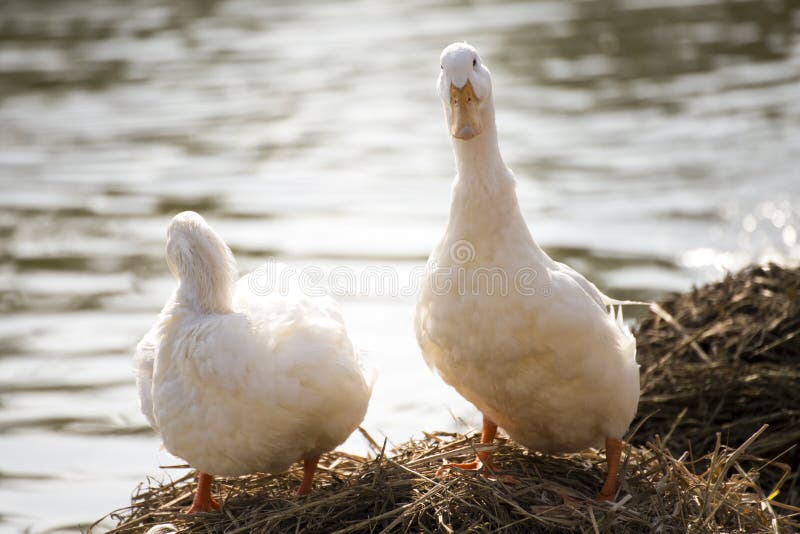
column 238, row 383
column 543, row 356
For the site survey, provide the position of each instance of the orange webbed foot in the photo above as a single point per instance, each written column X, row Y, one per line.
column 209, row 506
column 483, row 466
column 605, row 497
column 444, row 470
column 483, row 462
column 203, row 502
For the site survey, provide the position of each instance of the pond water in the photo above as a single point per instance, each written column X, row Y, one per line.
column 655, row 143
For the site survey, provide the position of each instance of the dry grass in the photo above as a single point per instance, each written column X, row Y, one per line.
column 725, row 358
column 401, row 493
column 718, row 363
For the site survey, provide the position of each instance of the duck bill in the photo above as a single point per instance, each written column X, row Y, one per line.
column 464, row 112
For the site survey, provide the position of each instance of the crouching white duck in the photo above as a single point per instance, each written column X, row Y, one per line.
column 536, row 347
column 239, row 383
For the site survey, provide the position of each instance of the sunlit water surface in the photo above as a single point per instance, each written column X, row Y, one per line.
column 655, row 142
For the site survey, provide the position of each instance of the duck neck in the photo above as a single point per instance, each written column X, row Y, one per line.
column 213, row 299
column 206, row 282
column 479, row 158
column 484, row 194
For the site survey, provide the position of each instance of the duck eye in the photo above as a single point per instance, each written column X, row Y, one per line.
column 441, row 67
column 474, row 62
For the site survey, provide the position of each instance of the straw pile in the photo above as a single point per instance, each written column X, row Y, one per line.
column 718, row 363
column 401, row 493
column 726, row 358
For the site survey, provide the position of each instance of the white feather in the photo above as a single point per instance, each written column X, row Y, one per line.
column 552, row 363
column 238, row 382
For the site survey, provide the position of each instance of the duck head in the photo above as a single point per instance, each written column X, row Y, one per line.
column 201, row 261
column 465, row 87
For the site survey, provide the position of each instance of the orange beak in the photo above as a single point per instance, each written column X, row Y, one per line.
column 465, row 112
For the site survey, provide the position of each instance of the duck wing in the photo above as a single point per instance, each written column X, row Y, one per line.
column 143, row 360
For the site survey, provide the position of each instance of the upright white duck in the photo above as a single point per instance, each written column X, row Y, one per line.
column 239, row 383
column 536, row 347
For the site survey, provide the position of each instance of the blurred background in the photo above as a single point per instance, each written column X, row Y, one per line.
column 656, row 144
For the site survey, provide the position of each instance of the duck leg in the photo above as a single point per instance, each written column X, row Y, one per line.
column 484, row 458
column 309, row 467
column 613, row 454
column 203, row 502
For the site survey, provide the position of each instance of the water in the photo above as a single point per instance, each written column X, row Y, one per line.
column 655, row 143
